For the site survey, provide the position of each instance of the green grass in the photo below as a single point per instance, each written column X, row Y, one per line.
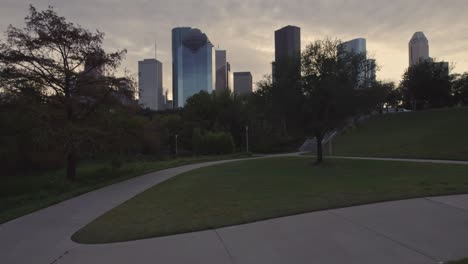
column 254, row 190
column 23, row 194
column 434, row 134
column 463, row 261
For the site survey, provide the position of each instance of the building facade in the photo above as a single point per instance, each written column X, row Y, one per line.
column 368, row 73
column 230, row 77
column 418, row 48
column 194, row 65
column 358, row 45
column 150, row 84
column 287, row 52
column 242, row 83
column 221, row 71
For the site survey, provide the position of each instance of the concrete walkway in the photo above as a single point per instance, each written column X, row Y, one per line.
column 426, row 230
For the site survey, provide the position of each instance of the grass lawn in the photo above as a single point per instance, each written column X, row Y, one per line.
column 463, row 261
column 434, row 134
column 248, row 191
column 23, row 194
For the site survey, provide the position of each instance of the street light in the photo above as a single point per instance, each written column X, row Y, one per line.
column 247, row 138
column 176, row 148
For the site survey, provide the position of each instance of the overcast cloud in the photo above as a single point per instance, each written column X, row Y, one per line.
column 245, row 28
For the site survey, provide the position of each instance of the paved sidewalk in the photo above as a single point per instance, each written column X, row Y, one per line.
column 425, row 230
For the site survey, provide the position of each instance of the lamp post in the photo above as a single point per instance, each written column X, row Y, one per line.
column 247, row 138
column 176, row 147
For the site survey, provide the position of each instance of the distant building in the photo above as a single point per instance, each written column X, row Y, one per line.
column 418, row 48
column 443, row 67
column 359, row 46
column 287, row 52
column 230, row 77
column 242, row 83
column 94, row 66
column 371, row 70
column 150, row 85
column 194, row 65
column 167, row 103
column 221, row 71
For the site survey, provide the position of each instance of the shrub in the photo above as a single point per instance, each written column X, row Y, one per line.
column 116, row 163
column 212, row 143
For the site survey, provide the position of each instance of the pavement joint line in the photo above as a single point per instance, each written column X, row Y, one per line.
column 381, row 234
column 55, row 261
column 231, row 257
column 445, row 204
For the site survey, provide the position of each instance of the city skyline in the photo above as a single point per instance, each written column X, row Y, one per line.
column 387, row 28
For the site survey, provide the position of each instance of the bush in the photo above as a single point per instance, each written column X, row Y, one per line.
column 212, row 143
column 116, row 163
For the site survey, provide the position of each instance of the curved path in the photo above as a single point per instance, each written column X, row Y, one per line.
column 425, row 230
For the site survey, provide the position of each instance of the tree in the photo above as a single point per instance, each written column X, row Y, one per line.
column 220, row 111
column 426, row 85
column 286, row 95
column 329, row 87
column 65, row 66
column 394, row 97
column 460, row 88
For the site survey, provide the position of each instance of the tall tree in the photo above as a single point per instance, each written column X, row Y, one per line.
column 330, row 86
column 426, row 85
column 65, row 65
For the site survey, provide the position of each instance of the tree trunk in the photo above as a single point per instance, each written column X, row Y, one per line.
column 319, row 150
column 71, row 164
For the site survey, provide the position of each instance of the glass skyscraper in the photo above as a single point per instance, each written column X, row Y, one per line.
column 194, row 65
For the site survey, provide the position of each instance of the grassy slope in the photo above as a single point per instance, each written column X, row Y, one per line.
column 464, row 261
column 254, row 190
column 24, row 194
column 435, row 134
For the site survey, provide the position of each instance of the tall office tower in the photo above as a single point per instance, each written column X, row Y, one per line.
column 356, row 46
column 242, row 83
column 359, row 46
column 221, row 71
column 150, row 85
column 418, row 48
column 371, row 70
column 287, row 52
column 178, row 34
column 230, row 77
column 194, row 64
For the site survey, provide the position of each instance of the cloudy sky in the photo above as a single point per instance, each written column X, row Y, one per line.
column 245, row 28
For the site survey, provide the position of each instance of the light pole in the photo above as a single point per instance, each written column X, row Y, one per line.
column 247, row 138
column 176, row 148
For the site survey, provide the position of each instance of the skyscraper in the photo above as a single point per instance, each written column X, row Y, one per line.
column 221, row 71
column 230, row 77
column 359, row 46
column 178, row 34
column 150, row 85
column 418, row 48
column 287, row 52
column 194, row 65
column 242, row 83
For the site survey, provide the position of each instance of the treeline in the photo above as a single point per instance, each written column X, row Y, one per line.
column 61, row 102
